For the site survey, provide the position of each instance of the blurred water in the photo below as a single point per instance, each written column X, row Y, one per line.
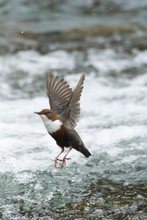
column 111, row 184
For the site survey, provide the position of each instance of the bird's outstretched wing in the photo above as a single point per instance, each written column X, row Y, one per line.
column 63, row 101
column 59, row 94
column 72, row 111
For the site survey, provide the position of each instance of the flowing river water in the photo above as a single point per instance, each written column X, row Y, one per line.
column 106, row 40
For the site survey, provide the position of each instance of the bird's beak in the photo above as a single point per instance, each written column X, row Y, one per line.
column 38, row 113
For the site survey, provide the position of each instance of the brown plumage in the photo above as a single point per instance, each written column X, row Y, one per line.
column 63, row 115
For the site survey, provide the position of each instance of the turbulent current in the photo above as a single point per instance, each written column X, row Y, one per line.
column 112, row 183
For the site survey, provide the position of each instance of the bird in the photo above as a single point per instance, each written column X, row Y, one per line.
column 60, row 120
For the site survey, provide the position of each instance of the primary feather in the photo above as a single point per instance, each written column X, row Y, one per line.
column 63, row 101
column 59, row 94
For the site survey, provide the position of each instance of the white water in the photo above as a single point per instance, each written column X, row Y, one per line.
column 113, row 111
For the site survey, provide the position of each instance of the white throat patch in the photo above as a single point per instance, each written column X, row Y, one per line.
column 51, row 126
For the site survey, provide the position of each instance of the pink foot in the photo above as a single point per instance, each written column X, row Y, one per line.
column 56, row 159
column 56, row 162
column 64, row 161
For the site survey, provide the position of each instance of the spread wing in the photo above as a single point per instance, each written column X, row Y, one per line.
column 59, row 94
column 72, row 112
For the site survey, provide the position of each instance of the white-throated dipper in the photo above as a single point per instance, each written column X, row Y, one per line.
column 63, row 115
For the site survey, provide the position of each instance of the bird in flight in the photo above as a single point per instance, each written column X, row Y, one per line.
column 60, row 120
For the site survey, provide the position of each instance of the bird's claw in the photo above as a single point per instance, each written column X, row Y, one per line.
column 62, row 160
column 56, row 162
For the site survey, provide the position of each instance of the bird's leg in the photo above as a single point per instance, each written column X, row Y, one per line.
column 56, row 159
column 65, row 157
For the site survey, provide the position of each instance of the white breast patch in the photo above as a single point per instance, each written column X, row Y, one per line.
column 51, row 126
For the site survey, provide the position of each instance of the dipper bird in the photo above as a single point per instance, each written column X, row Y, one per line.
column 63, row 115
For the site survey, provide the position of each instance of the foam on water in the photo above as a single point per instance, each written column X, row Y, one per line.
column 111, row 183
column 20, row 69
column 98, row 60
column 112, row 117
column 108, row 60
column 34, row 63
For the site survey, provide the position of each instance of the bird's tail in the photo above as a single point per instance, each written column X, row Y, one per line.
column 84, row 151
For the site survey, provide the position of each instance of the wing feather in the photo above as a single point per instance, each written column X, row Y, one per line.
column 63, row 101
column 59, row 94
column 72, row 112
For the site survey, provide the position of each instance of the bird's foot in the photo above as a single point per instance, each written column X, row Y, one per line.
column 64, row 161
column 56, row 162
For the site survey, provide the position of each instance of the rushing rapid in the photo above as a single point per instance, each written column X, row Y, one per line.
column 112, row 183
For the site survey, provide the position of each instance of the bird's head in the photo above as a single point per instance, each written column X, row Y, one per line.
column 48, row 113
